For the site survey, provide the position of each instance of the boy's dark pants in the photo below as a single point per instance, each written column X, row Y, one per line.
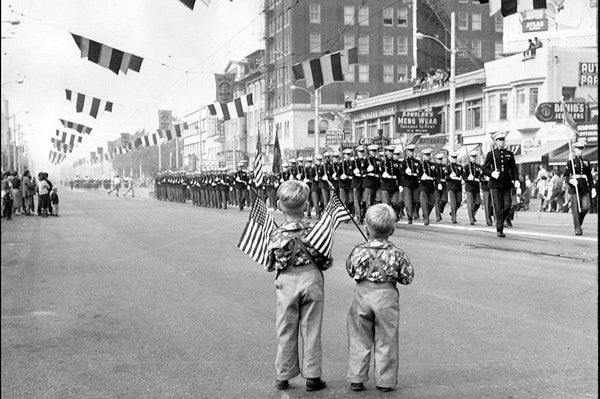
column 300, row 299
column 373, row 321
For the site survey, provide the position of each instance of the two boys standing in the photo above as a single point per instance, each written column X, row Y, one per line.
column 373, row 318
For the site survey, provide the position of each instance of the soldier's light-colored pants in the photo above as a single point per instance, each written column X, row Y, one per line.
column 373, row 320
column 300, row 299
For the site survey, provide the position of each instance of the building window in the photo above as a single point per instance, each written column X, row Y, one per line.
column 288, row 98
column 463, row 20
column 458, row 117
column 503, row 106
column 363, row 16
column 498, row 49
column 388, row 45
column 286, row 43
column 349, row 76
column 403, row 16
column 520, row 104
column 279, row 22
column 402, row 70
column 286, row 129
column 568, row 93
column 314, row 12
column 388, row 74
column 363, row 73
column 388, row 16
column 363, row 45
column 349, row 15
column 499, row 23
column 372, row 128
column 476, row 47
column 492, row 107
column 315, row 43
column 349, row 41
column 533, row 100
column 402, row 45
column 286, row 18
column 475, row 21
column 473, row 114
column 311, row 126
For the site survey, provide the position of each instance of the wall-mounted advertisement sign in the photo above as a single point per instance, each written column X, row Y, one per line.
column 417, row 122
column 588, row 74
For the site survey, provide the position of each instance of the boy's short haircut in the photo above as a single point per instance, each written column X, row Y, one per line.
column 381, row 219
column 293, row 194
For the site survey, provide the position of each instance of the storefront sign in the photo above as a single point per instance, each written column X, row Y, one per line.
column 334, row 136
column 418, row 122
column 535, row 25
column 588, row 74
column 552, row 112
column 378, row 113
column 588, row 132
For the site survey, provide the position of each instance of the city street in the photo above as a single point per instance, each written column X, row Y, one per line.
column 137, row 298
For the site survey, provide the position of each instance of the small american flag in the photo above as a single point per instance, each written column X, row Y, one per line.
column 321, row 236
column 255, row 238
column 258, row 171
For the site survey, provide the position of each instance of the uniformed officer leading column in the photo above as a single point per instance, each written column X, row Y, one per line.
column 500, row 166
column 581, row 177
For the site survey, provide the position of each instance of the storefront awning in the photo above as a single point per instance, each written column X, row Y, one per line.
column 536, row 154
column 590, row 154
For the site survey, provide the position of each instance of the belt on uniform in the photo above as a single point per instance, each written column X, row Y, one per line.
column 373, row 174
column 579, row 176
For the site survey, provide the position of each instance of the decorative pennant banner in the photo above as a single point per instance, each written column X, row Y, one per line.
column 60, row 146
column 108, row 57
column 234, row 109
column 189, row 3
column 76, row 126
column 327, row 69
column 55, row 157
column 87, row 104
column 510, row 7
column 177, row 131
column 69, row 138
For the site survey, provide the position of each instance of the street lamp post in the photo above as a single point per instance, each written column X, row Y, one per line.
column 13, row 81
column 452, row 51
column 317, row 97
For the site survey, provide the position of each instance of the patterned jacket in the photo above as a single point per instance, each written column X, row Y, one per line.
column 394, row 263
column 281, row 247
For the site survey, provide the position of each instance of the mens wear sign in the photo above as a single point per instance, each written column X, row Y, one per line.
column 418, row 122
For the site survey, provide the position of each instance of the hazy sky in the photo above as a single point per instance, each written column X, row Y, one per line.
column 192, row 45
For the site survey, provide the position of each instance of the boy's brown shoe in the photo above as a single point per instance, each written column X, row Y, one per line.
column 315, row 384
column 282, row 385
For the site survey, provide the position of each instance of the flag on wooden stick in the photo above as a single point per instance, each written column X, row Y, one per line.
column 255, row 237
column 258, row 170
column 321, row 236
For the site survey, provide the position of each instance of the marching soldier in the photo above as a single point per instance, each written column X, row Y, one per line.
column 224, row 187
column 359, row 170
column 241, row 185
column 344, row 171
column 578, row 175
column 410, row 181
column 486, row 198
column 251, row 188
column 389, row 182
column 205, row 189
column 454, row 173
column 286, row 174
column 332, row 175
column 471, row 176
column 271, row 184
column 371, row 180
column 323, row 177
column 500, row 166
column 441, row 192
column 293, row 170
column 399, row 204
column 427, row 177
column 312, row 179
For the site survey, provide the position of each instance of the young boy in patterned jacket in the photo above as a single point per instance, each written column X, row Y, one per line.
column 299, row 288
column 373, row 319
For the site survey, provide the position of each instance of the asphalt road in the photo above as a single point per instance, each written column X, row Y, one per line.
column 136, row 298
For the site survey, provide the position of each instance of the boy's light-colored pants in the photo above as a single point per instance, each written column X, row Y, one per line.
column 300, row 299
column 373, row 319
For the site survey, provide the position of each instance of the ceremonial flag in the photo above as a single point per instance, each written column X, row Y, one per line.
column 234, row 109
column 321, row 236
column 326, row 69
column 146, row 141
column 87, row 104
column 189, row 3
column 255, row 238
column 76, row 126
column 100, row 151
column 108, row 57
column 138, row 142
column 258, row 171
column 276, row 155
column 569, row 118
column 510, row 7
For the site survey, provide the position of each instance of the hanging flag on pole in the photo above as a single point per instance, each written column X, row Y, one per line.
column 276, row 155
column 321, row 236
column 255, row 237
column 258, row 159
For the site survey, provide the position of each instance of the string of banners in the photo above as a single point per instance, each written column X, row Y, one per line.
column 106, row 56
column 76, row 126
column 89, row 105
column 233, row 109
column 56, row 157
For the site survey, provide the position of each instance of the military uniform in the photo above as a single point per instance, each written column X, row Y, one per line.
column 486, row 199
column 440, row 196
column 410, row 182
column 427, row 177
column 579, row 171
column 373, row 317
column 454, row 173
column 371, row 180
column 241, row 186
column 471, row 175
column 300, row 299
column 344, row 171
column 389, row 182
column 359, row 171
column 500, row 166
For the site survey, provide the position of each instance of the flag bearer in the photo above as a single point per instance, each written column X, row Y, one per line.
column 578, row 174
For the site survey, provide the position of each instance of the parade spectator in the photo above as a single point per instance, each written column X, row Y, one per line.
column 54, row 201
column 554, row 189
column 541, row 172
column 116, row 185
column 542, row 187
column 537, row 44
column 129, row 189
column 594, row 205
column 6, row 196
column 17, row 198
column 28, row 191
column 528, row 192
column 530, row 52
column 44, row 193
column 300, row 293
column 373, row 317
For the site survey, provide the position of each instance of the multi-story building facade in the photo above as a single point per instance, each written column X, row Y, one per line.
column 383, row 33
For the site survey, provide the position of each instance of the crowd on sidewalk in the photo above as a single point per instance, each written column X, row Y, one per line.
column 21, row 193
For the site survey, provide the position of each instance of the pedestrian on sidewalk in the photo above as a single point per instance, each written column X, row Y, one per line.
column 6, row 196
column 44, row 192
column 373, row 319
column 28, row 191
column 129, row 189
column 17, row 198
column 300, row 293
column 116, row 185
column 54, row 201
